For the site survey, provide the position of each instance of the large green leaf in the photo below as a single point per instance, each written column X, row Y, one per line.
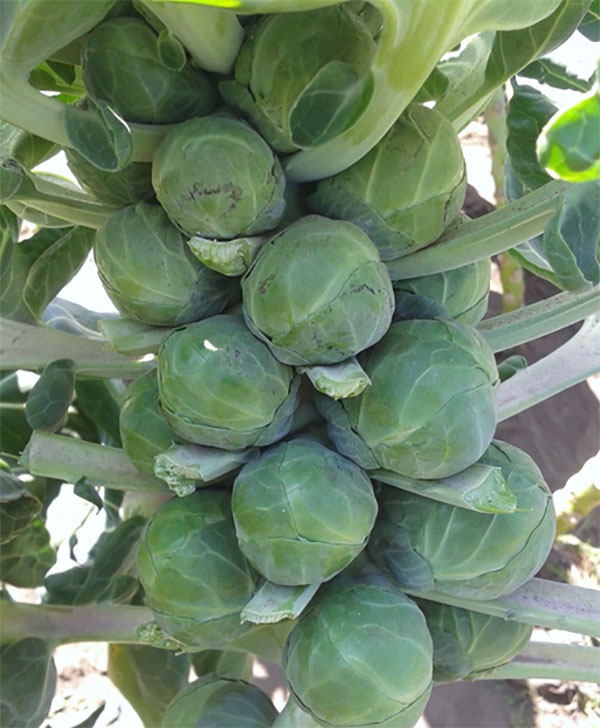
column 48, row 402
column 25, row 559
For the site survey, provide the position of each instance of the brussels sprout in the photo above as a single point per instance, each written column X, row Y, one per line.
column 216, row 177
column 194, row 575
column 221, row 386
column 144, row 431
column 130, row 185
column 317, row 293
column 303, row 78
column 462, row 293
column 429, row 411
column 360, row 655
column 302, row 512
column 467, row 644
column 406, row 190
column 149, row 273
column 122, row 65
column 217, row 702
column 430, row 545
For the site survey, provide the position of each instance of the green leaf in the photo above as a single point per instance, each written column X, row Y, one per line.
column 28, row 149
column 18, row 507
column 332, row 101
column 28, row 677
column 569, row 146
column 528, row 112
column 100, row 136
column 25, row 560
column 74, row 319
column 49, row 400
column 148, row 677
column 556, row 75
column 97, row 399
column 55, row 267
column 110, row 558
column 590, row 25
column 170, row 51
column 508, row 53
column 85, row 490
column 511, row 366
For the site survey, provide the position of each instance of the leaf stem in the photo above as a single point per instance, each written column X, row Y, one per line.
column 68, row 459
column 539, row 602
column 486, row 236
column 538, row 319
column 571, row 363
column 545, row 660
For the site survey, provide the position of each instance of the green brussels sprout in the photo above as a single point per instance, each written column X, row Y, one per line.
column 196, row 579
column 122, row 65
column 216, row 177
column 303, row 78
column 317, row 293
column 429, row 411
column 406, row 190
column 428, row 545
column 461, row 294
column 144, row 431
column 150, row 274
column 360, row 655
column 217, row 702
column 220, row 386
column 467, row 644
column 131, row 184
column 302, row 512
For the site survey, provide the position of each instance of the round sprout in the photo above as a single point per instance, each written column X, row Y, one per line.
column 467, row 644
column 122, row 65
column 216, row 702
column 430, row 545
column 302, row 512
column 360, row 655
column 461, row 294
column 216, row 177
column 150, row 274
column 196, row 579
column 317, row 293
column 144, row 431
column 429, row 411
column 130, row 185
column 303, row 78
column 221, row 386
column 406, row 190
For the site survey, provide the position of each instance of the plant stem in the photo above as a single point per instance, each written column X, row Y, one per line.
column 540, row 602
column 62, row 624
column 212, row 36
column 571, row 363
column 24, row 346
column 538, row 319
column 544, row 660
column 486, row 236
column 68, row 459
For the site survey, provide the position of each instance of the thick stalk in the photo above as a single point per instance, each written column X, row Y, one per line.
column 62, row 624
column 538, row 319
column 24, row 346
column 547, row 661
column 68, row 459
column 539, row 602
column 571, row 363
column 211, row 36
column 486, row 236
